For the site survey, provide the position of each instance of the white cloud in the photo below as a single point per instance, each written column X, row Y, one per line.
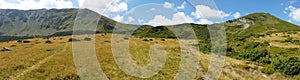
column 294, row 13
column 205, row 21
column 168, row 5
column 140, row 20
column 32, row 4
column 182, row 6
column 236, row 15
column 178, row 18
column 130, row 19
column 284, row 12
column 206, row 12
column 118, row 18
column 153, row 9
column 105, row 7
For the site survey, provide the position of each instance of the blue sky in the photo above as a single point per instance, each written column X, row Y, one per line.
column 288, row 10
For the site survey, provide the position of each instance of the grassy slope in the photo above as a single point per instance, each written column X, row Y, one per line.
column 62, row 65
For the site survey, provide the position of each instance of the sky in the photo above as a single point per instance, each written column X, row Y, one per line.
column 169, row 12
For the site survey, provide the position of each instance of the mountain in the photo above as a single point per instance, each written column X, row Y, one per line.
column 42, row 22
column 259, row 23
column 59, row 22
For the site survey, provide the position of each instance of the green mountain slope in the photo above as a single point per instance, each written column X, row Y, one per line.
column 42, row 22
column 259, row 23
column 59, row 22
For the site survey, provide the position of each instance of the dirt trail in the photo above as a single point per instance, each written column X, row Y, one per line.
column 36, row 66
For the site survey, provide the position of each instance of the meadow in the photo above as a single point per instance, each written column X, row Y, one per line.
column 39, row 60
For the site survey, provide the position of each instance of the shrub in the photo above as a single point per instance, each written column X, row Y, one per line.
column 162, row 39
column 256, row 36
column 145, row 40
column 293, row 49
column 73, row 39
column 88, row 39
column 13, row 46
column 19, row 67
column 268, row 70
column 289, row 39
column 48, row 41
column 265, row 60
column 26, row 41
column 289, row 66
column 254, row 54
column 106, row 41
column 266, row 44
column 67, row 77
column 252, row 45
column 126, row 38
column 151, row 39
column 48, row 50
column 19, row 41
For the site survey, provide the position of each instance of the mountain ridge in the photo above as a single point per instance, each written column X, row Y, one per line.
column 59, row 22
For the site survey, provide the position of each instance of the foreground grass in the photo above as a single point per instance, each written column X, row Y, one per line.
column 61, row 65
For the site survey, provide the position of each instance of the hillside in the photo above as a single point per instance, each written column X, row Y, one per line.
column 259, row 46
column 59, row 22
column 42, row 22
column 259, row 23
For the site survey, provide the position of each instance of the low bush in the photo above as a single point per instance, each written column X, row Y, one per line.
column 67, row 77
column 49, row 50
column 265, row 44
column 88, row 39
column 73, row 39
column 268, row 69
column 126, row 38
column 151, row 39
column 13, row 46
column 287, row 65
column 254, row 54
column 252, row 45
column 145, row 40
column 26, row 41
column 107, row 41
column 19, row 41
column 48, row 41
column 293, row 49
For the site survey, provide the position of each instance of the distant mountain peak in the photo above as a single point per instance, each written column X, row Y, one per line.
column 259, row 23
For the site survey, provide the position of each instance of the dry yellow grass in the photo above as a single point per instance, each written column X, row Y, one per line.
column 273, row 40
column 61, row 65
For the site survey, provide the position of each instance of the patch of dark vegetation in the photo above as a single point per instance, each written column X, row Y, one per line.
column 13, row 45
column 287, row 65
column 126, row 38
column 26, row 41
column 268, row 69
column 19, row 41
column 150, row 39
column 87, row 39
column 107, row 41
column 49, row 50
column 146, row 40
column 69, row 33
column 73, row 40
column 19, row 67
column 48, row 42
column 67, row 77
column 11, row 38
